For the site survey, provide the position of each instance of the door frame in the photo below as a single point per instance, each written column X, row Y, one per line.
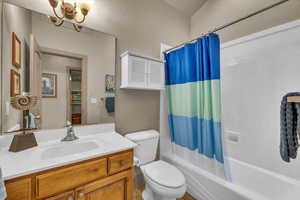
column 84, row 75
column 69, row 102
column 34, row 89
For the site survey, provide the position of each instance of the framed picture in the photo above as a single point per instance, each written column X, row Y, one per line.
column 16, row 51
column 49, row 85
column 15, row 83
column 110, row 83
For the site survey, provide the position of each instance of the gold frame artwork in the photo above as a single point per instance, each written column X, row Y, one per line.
column 16, row 51
column 54, row 93
column 15, row 83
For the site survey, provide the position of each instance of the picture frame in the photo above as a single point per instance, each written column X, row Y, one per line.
column 49, row 85
column 16, row 51
column 15, row 83
column 110, row 83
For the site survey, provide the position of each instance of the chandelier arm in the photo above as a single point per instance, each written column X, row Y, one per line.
column 80, row 22
column 55, row 13
column 59, row 23
column 76, row 27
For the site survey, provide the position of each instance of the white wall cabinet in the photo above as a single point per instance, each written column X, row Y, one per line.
column 141, row 72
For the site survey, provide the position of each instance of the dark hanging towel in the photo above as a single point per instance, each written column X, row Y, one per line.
column 289, row 127
column 110, row 104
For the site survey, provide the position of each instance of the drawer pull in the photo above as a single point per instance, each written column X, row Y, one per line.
column 80, row 195
column 122, row 163
column 70, row 198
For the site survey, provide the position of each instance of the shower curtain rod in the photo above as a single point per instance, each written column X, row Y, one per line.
column 228, row 24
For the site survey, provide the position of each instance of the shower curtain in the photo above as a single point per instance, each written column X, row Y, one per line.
column 194, row 103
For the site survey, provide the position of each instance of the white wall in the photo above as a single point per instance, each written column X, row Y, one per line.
column 54, row 110
column 256, row 74
column 100, row 49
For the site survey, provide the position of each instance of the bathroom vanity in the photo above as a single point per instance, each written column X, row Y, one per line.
column 96, row 166
column 107, row 177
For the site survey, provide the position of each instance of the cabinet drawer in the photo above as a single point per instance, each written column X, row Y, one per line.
column 19, row 190
column 70, row 177
column 120, row 162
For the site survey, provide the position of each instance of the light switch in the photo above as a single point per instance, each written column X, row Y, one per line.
column 93, row 100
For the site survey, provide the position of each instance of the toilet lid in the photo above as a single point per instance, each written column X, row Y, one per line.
column 164, row 174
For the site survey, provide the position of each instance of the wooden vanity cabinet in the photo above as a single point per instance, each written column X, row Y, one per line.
column 19, row 189
column 107, row 177
column 115, row 187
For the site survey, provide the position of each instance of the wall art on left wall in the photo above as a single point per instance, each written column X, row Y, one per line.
column 15, row 83
column 16, row 50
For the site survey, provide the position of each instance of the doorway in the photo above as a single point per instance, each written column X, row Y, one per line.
column 74, row 112
column 70, row 100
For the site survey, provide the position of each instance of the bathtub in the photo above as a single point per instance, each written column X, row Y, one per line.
column 248, row 182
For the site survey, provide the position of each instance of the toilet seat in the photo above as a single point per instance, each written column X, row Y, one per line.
column 164, row 174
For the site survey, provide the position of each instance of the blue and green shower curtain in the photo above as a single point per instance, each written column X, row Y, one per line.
column 194, row 96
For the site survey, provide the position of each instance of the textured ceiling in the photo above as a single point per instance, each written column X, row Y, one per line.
column 188, row 7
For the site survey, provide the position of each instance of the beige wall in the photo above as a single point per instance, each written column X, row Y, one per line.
column 140, row 26
column 16, row 20
column 149, row 23
column 97, row 46
column 54, row 110
column 218, row 12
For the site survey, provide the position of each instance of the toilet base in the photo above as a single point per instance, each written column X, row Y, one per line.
column 148, row 194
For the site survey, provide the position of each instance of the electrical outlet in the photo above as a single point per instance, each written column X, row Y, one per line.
column 232, row 136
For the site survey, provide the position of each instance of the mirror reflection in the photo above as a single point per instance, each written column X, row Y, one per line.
column 70, row 73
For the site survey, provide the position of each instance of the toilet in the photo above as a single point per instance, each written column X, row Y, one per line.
column 163, row 181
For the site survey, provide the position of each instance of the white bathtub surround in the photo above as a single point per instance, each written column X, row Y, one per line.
column 94, row 141
column 256, row 70
column 199, row 160
column 248, row 182
column 2, row 187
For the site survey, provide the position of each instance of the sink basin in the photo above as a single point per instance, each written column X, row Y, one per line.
column 68, row 148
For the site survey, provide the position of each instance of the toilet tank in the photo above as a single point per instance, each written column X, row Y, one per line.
column 147, row 145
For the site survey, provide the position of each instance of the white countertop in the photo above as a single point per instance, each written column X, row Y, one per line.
column 40, row 158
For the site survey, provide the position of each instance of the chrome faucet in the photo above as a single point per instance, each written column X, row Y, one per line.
column 70, row 133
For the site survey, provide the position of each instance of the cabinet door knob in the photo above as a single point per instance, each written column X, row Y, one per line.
column 70, row 198
column 81, row 195
column 122, row 163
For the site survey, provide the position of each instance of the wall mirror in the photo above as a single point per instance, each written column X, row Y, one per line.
column 71, row 73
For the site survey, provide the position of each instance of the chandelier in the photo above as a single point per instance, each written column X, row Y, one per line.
column 72, row 10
